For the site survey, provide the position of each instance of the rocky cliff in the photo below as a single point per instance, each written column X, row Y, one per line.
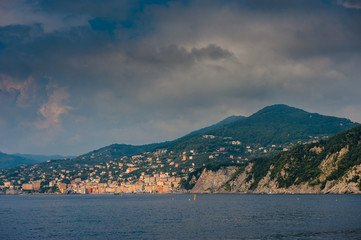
column 221, row 182
column 332, row 166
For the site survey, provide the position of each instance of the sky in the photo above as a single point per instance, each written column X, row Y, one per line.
column 79, row 75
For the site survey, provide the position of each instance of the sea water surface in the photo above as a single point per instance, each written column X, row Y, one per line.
column 178, row 216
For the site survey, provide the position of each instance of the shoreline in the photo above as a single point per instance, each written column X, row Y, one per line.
column 175, row 193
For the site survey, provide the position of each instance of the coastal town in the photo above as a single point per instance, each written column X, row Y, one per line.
column 158, row 183
column 107, row 171
column 123, row 175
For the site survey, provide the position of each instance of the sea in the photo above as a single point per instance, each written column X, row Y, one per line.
column 179, row 216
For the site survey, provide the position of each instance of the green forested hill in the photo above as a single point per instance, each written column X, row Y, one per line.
column 274, row 125
column 326, row 166
column 241, row 142
column 10, row 161
column 111, row 152
column 116, row 151
column 302, row 163
column 279, row 124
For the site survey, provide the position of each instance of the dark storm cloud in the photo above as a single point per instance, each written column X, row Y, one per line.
column 175, row 55
column 146, row 71
column 17, row 34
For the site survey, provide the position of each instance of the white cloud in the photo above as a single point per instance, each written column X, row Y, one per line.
column 54, row 108
column 24, row 91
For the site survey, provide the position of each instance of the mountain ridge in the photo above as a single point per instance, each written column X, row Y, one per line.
column 41, row 158
column 13, row 160
column 10, row 161
column 263, row 134
column 278, row 119
column 273, row 125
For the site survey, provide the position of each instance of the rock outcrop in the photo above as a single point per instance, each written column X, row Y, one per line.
column 221, row 182
column 328, row 167
column 210, row 182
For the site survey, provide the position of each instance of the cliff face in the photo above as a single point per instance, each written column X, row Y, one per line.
column 211, row 182
column 332, row 166
column 221, row 182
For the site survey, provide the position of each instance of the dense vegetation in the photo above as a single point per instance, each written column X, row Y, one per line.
column 280, row 124
column 352, row 139
column 111, row 152
column 273, row 125
column 255, row 139
column 301, row 163
column 10, row 161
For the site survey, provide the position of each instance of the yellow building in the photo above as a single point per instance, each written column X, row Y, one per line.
column 27, row 186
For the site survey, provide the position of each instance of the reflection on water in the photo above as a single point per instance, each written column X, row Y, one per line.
column 179, row 217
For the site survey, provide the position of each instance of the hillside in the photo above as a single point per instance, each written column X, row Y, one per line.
column 9, row 161
column 272, row 128
column 117, row 151
column 261, row 135
column 331, row 166
column 111, row 152
column 41, row 158
column 280, row 124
